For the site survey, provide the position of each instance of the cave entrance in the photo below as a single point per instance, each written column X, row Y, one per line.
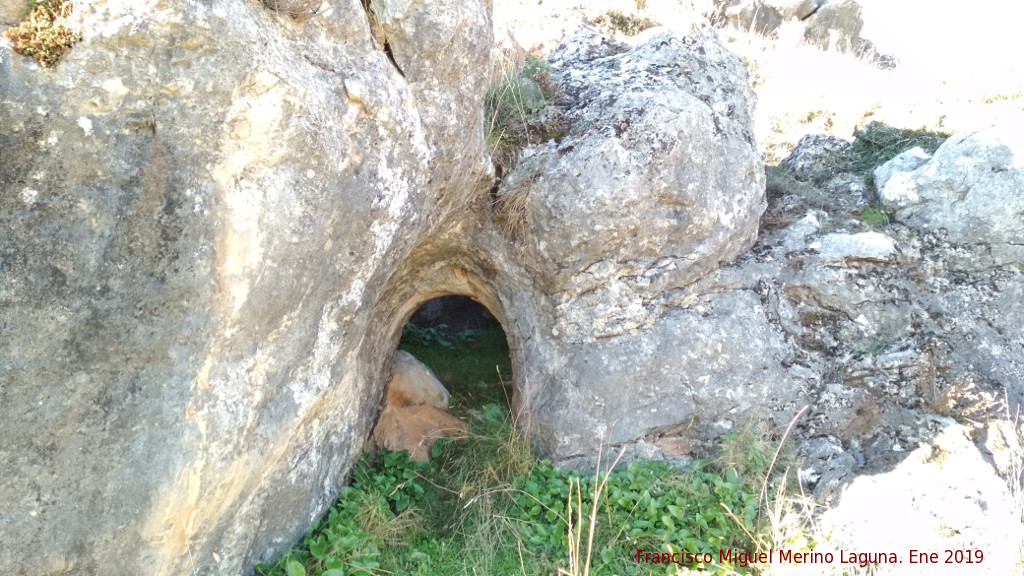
column 466, row 347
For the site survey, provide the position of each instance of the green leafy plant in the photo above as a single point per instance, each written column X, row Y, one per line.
column 46, row 33
column 484, row 505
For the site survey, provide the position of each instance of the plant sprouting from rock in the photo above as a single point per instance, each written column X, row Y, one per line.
column 46, row 33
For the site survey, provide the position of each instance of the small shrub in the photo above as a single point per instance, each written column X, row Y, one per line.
column 46, row 33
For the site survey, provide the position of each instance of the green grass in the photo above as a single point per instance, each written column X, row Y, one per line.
column 474, row 366
column 874, row 216
column 485, row 506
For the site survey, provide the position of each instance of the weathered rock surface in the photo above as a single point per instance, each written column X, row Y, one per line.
column 943, row 496
column 12, row 11
column 413, row 383
column 413, row 412
column 969, row 192
column 215, row 220
column 812, row 153
column 903, row 163
column 656, row 182
column 836, row 25
column 198, row 209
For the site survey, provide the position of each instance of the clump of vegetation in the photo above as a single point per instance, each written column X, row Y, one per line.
column 874, row 216
column 298, row 9
column 46, row 33
column 614, row 21
column 877, row 143
column 514, row 108
column 485, row 506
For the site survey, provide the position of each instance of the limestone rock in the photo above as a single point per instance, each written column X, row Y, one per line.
column 799, row 9
column 812, row 153
column 199, row 206
column 836, row 25
column 970, row 191
column 656, row 183
column 413, row 383
column 413, row 412
column 863, row 246
column 904, row 162
column 12, row 11
column 942, row 496
column 754, row 15
column 415, row 428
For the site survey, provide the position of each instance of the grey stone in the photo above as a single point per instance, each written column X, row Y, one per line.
column 656, row 183
column 907, row 161
column 813, row 154
column 836, row 25
column 790, row 9
column 970, row 190
column 12, row 11
column 749, row 15
column 192, row 243
column 862, row 246
column 941, row 496
column 416, row 382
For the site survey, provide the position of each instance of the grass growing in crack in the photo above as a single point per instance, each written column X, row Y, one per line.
column 874, row 216
column 513, row 111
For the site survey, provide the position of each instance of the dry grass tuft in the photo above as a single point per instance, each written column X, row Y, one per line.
column 46, row 33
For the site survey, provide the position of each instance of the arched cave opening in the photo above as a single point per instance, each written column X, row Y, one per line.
column 466, row 347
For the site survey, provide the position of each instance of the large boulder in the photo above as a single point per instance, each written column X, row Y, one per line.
column 656, row 183
column 198, row 206
column 970, row 192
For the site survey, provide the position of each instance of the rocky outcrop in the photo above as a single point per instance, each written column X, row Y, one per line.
column 825, row 24
column 211, row 245
column 216, row 219
column 656, row 182
column 200, row 206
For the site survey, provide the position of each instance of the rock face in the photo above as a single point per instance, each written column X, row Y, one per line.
column 826, row 24
column 216, row 219
column 199, row 207
column 943, row 496
column 969, row 192
column 210, row 246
